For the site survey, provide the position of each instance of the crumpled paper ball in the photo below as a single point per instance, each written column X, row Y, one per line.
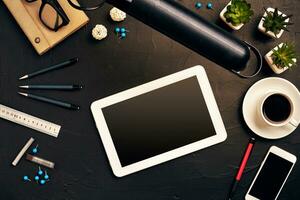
column 117, row 15
column 99, row 32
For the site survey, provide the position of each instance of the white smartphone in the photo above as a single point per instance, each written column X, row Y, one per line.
column 272, row 174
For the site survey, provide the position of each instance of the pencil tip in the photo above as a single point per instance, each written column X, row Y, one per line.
column 23, row 77
column 23, row 94
column 23, row 86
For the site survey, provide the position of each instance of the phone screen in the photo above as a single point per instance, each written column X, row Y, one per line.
column 271, row 177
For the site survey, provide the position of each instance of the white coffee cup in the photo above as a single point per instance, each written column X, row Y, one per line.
column 289, row 120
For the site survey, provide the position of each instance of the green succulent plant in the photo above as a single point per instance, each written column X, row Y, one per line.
column 275, row 22
column 239, row 12
column 284, row 56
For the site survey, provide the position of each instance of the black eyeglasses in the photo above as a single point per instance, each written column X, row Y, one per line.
column 51, row 14
column 87, row 5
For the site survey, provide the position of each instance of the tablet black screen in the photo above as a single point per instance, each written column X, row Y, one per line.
column 159, row 121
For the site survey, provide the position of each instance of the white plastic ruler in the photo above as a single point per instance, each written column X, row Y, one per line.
column 29, row 121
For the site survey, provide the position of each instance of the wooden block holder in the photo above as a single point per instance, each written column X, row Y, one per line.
column 43, row 39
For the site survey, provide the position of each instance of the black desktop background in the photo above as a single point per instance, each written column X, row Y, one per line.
column 113, row 65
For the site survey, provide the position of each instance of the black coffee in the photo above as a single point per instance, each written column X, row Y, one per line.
column 277, row 108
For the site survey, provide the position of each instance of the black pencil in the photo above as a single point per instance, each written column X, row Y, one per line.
column 51, row 87
column 50, row 68
column 51, row 101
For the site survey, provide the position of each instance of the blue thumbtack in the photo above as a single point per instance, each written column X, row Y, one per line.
column 36, row 178
column 210, row 6
column 117, row 30
column 26, row 178
column 123, row 30
column 35, row 149
column 46, row 177
column 198, row 5
column 42, row 182
column 40, row 172
column 123, row 35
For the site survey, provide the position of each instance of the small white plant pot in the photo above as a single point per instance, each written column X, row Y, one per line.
column 238, row 27
column 262, row 29
column 275, row 68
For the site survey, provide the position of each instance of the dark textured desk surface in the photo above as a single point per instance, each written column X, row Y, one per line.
column 113, row 65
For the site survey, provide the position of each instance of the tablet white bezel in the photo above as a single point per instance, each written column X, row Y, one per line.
column 107, row 141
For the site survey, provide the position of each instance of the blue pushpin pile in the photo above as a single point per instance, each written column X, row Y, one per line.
column 121, row 31
column 198, row 5
column 41, row 177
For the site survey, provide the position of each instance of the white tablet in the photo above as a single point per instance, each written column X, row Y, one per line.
column 158, row 121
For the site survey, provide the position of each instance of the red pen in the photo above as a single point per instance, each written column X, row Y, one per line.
column 242, row 167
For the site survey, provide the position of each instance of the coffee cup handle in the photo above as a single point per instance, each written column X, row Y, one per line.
column 294, row 122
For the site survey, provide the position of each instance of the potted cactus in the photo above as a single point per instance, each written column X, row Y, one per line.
column 282, row 57
column 274, row 23
column 236, row 13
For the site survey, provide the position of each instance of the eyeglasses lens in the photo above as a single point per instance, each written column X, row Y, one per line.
column 50, row 17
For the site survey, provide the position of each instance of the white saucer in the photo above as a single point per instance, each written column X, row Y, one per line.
column 251, row 101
